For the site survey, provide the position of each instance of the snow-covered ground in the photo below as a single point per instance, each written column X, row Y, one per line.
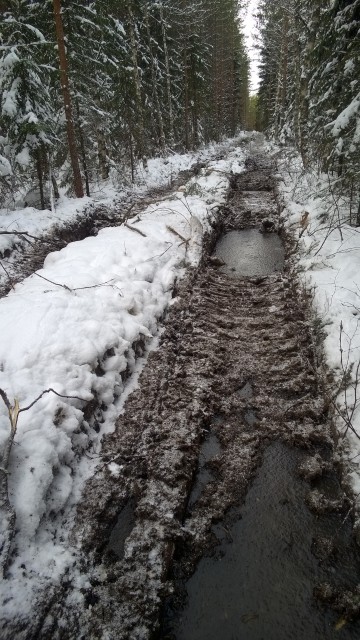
column 159, row 172
column 73, row 328
column 329, row 251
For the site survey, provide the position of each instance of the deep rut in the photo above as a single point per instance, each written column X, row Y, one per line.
column 238, row 367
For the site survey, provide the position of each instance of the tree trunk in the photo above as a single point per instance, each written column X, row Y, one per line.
column 281, row 91
column 168, row 76
column 137, row 82
column 186, row 98
column 64, row 79
column 154, row 82
column 304, row 85
column 55, row 187
column 358, row 215
column 39, row 169
column 102, row 156
column 132, row 159
column 82, row 149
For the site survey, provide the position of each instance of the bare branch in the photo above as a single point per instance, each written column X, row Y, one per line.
column 64, row 286
column 7, row 512
column 134, row 229
column 161, row 254
column 8, row 275
column 57, row 284
column 176, row 233
column 347, row 382
column 5, row 399
column 21, row 234
column 50, row 390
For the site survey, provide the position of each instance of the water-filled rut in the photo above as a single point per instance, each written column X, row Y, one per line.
column 259, row 580
column 221, row 512
column 267, row 559
column 250, row 253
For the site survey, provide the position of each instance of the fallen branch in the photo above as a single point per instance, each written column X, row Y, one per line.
column 64, row 286
column 210, row 170
column 8, row 515
column 134, row 229
column 347, row 369
column 297, row 403
column 161, row 254
column 57, row 284
column 128, row 211
column 21, row 234
column 350, row 510
column 176, row 233
column 50, row 390
column 350, row 379
column 347, row 421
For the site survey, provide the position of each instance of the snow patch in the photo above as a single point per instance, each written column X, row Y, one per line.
column 330, row 259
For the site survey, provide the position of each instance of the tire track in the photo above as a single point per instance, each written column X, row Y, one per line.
column 239, row 362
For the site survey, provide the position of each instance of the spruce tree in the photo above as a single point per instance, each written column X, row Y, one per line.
column 27, row 116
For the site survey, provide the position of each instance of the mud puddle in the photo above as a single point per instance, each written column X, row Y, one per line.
column 259, row 581
column 209, row 450
column 250, row 253
column 122, row 529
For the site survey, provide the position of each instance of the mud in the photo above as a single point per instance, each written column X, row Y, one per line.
column 259, row 581
column 239, row 368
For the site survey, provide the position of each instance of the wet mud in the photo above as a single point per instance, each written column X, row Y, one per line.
column 226, row 514
column 259, row 580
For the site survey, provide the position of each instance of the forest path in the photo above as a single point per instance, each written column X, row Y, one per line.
column 237, row 379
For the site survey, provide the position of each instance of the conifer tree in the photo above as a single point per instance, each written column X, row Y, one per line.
column 136, row 77
column 64, row 80
column 27, row 117
column 309, row 90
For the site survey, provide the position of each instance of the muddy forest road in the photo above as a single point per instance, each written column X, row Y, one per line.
column 226, row 466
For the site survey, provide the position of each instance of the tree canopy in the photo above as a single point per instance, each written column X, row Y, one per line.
column 309, row 92
column 143, row 76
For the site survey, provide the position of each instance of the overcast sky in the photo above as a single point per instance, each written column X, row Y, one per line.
column 249, row 25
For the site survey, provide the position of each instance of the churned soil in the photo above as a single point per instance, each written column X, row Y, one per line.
column 238, row 366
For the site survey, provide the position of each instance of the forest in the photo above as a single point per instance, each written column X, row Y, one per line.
column 309, row 94
column 90, row 88
column 179, row 320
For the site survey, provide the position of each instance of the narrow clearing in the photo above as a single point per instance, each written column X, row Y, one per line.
column 224, row 461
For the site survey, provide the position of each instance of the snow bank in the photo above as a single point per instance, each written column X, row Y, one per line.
column 158, row 173
column 73, row 327
column 330, row 258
